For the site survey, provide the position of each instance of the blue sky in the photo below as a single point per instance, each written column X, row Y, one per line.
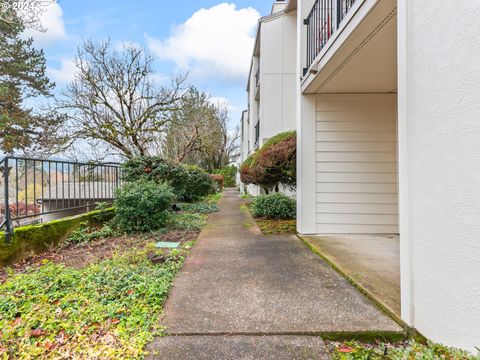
column 211, row 39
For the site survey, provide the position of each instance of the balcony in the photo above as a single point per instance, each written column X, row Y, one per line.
column 322, row 22
column 351, row 47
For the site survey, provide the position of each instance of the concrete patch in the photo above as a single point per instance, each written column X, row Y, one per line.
column 238, row 347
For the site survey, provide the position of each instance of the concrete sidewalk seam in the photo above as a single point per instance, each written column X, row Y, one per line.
column 326, row 335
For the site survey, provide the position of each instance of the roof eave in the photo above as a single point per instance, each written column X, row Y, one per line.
column 291, row 6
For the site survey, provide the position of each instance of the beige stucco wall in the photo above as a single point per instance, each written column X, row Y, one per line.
column 439, row 143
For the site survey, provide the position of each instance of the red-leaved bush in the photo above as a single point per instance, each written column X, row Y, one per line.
column 274, row 163
column 219, row 179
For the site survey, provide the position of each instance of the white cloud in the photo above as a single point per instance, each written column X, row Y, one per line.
column 52, row 20
column 214, row 42
column 222, row 101
column 64, row 74
column 159, row 79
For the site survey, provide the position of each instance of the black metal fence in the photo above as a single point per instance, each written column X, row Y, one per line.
column 35, row 189
column 322, row 22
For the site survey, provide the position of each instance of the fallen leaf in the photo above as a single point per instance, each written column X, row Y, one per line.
column 48, row 345
column 38, row 333
column 61, row 338
column 345, row 349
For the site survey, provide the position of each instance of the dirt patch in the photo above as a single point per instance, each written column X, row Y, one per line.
column 80, row 255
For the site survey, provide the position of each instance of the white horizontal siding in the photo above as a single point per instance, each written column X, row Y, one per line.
column 367, row 126
column 356, row 229
column 361, row 177
column 359, row 219
column 372, row 157
column 356, row 198
column 356, row 167
column 356, row 164
column 356, row 208
column 369, row 188
column 356, row 146
column 356, row 136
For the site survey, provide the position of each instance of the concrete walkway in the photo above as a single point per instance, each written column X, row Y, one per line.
column 258, row 293
column 373, row 261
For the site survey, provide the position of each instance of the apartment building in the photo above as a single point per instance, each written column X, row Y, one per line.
column 271, row 84
column 387, row 120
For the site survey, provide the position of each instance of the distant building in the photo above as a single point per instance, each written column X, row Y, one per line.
column 271, row 84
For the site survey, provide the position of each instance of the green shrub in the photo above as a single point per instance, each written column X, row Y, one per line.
column 188, row 183
column 198, row 184
column 142, row 206
column 228, row 172
column 274, row 206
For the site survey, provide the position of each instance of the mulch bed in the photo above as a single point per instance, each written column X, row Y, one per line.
column 80, row 255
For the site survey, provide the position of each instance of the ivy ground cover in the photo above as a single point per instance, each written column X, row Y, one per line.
column 98, row 299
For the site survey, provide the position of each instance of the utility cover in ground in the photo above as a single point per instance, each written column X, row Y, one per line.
column 168, row 245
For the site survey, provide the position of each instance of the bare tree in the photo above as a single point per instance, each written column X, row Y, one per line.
column 91, row 150
column 114, row 98
column 198, row 133
column 191, row 127
column 227, row 148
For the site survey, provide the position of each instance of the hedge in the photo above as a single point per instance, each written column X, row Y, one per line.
column 189, row 183
column 34, row 239
column 274, row 163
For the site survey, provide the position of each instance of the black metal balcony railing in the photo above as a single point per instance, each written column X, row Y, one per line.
column 322, row 22
column 33, row 188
